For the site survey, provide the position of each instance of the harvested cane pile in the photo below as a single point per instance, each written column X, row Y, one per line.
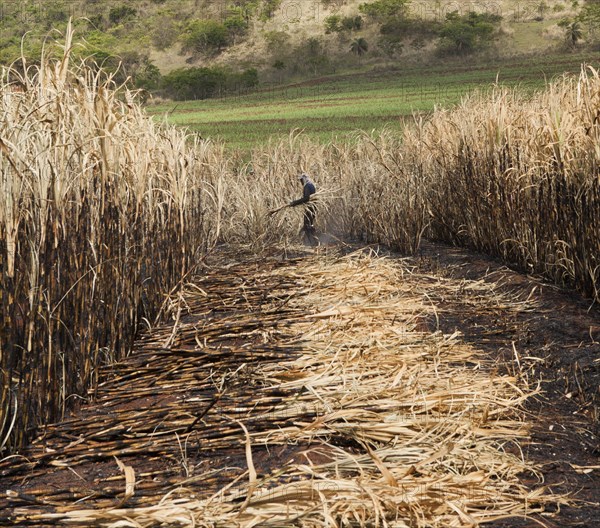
column 287, row 393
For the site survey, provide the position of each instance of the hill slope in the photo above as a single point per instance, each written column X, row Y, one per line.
column 282, row 38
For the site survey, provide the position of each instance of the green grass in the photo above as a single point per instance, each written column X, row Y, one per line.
column 530, row 35
column 336, row 107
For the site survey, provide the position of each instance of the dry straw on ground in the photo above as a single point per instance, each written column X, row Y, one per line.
column 392, row 425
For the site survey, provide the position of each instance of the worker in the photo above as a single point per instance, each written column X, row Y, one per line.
column 310, row 211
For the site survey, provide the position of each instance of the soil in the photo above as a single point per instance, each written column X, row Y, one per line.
column 557, row 344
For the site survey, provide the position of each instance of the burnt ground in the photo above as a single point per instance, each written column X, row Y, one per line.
column 168, row 387
column 563, row 331
column 561, row 334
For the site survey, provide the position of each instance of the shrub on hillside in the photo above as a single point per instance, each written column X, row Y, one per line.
column 277, row 41
column 164, row 30
column 396, row 25
column 409, row 27
column 352, row 23
column 95, row 22
column 55, row 14
column 240, row 82
column 205, row 36
column 204, row 83
column 313, row 55
column 463, row 34
column 391, row 45
column 333, row 24
column 589, row 17
column 338, row 24
column 194, row 83
column 236, row 23
column 148, row 76
column 268, row 9
column 384, row 10
column 120, row 14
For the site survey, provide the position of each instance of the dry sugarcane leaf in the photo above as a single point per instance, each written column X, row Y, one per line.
column 387, row 474
column 332, row 312
column 129, row 481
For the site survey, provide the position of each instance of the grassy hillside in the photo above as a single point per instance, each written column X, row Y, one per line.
column 282, row 39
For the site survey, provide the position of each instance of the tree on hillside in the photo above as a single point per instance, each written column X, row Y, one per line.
column 333, row 24
column 542, row 8
column 573, row 31
column 279, row 65
column 205, row 36
column 137, row 66
column 590, row 18
column 120, row 14
column 243, row 82
column 352, row 23
column 277, row 41
column 384, row 10
column 236, row 24
column 463, row 34
column 312, row 54
column 359, row 47
column 203, row 83
column 148, row 77
column 164, row 30
column 194, row 83
column 397, row 26
column 269, row 7
column 391, row 45
column 338, row 24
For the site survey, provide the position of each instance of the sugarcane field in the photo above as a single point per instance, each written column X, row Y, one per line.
column 387, row 330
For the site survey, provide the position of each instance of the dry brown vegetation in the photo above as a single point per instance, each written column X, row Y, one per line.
column 102, row 210
column 518, row 178
column 305, row 392
column 512, row 175
column 105, row 211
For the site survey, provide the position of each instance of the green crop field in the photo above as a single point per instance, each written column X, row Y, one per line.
column 336, row 107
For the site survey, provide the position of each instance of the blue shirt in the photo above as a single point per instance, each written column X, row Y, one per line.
column 309, row 188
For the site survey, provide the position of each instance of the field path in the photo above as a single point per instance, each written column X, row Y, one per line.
column 327, row 388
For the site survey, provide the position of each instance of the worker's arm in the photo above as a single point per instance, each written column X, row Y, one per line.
column 309, row 189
